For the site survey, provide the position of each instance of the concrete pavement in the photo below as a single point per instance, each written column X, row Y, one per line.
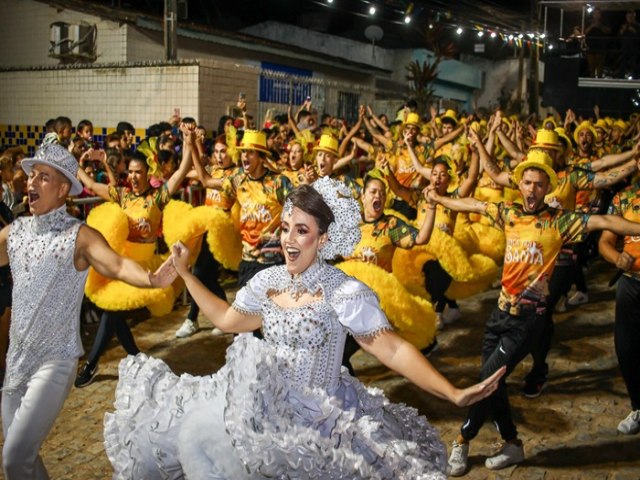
column 569, row 431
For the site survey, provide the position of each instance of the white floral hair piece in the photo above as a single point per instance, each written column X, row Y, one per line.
column 344, row 231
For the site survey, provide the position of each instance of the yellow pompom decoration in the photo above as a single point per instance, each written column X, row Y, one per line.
column 413, row 317
column 471, row 274
column 185, row 223
column 114, row 295
column 111, row 221
column 487, row 273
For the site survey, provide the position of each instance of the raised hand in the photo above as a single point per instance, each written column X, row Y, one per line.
column 180, row 256
column 479, row 391
column 625, row 261
column 165, row 275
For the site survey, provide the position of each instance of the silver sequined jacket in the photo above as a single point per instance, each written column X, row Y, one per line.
column 47, row 294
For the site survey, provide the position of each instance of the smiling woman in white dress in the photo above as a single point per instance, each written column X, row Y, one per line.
column 283, row 407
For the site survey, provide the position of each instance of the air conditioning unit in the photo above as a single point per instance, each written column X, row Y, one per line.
column 59, row 40
column 73, row 43
column 82, row 39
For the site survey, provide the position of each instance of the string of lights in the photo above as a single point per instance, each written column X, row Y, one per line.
column 414, row 12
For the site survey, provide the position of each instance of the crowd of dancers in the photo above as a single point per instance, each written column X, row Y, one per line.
column 343, row 237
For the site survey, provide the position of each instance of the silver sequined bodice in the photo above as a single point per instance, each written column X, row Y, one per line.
column 309, row 340
column 47, row 294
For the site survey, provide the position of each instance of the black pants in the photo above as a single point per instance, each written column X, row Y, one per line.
column 110, row 323
column 206, row 270
column 507, row 340
column 437, row 280
column 627, row 335
column 559, row 285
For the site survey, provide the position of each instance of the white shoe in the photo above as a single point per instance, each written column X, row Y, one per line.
column 451, row 315
column 561, row 306
column 631, row 424
column 509, row 454
column 578, row 298
column 188, row 328
column 216, row 332
column 458, row 460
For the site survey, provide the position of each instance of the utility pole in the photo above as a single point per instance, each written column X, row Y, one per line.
column 170, row 29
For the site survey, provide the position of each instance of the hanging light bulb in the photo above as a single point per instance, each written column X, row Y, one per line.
column 493, row 35
column 459, row 30
column 372, row 10
column 480, row 33
column 407, row 19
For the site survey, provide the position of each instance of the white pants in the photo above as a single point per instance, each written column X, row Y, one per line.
column 28, row 415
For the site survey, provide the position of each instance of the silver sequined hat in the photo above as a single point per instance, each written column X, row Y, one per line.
column 58, row 157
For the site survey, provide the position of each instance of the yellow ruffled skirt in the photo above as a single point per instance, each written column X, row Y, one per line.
column 188, row 224
column 115, row 295
column 479, row 238
column 412, row 316
column 471, row 273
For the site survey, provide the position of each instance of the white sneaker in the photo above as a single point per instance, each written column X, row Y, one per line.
column 631, row 424
column 561, row 306
column 451, row 315
column 216, row 332
column 578, row 298
column 509, row 454
column 188, row 328
column 458, row 460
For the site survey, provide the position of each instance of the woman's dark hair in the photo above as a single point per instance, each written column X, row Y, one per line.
column 307, row 199
column 166, row 156
column 442, row 160
column 369, row 178
column 138, row 157
column 221, row 122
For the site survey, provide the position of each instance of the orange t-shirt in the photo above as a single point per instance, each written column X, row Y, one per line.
column 380, row 239
column 260, row 202
column 215, row 197
column 533, row 243
column 144, row 211
column 626, row 203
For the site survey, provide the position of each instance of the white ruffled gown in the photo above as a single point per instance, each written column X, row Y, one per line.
column 282, row 407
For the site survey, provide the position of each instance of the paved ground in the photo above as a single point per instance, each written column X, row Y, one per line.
column 569, row 432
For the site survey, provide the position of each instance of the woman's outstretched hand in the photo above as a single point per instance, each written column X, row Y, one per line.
column 180, row 255
column 468, row 396
column 164, row 276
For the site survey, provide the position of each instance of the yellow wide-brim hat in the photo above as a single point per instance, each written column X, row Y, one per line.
column 602, row 124
column 540, row 160
column 254, row 140
column 586, row 125
column 412, row 119
column 550, row 120
column 327, row 143
column 451, row 115
column 563, row 134
column 620, row 124
column 547, row 139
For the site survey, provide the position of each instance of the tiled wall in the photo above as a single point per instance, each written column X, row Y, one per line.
column 29, row 137
column 219, row 86
column 141, row 95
